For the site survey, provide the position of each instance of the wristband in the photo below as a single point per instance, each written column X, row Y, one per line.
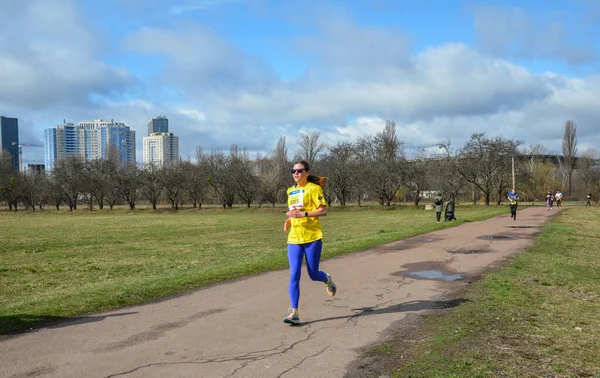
column 306, row 214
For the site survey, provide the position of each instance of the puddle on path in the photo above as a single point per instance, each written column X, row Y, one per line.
column 433, row 275
column 496, row 237
column 428, row 271
column 424, row 240
column 468, row 251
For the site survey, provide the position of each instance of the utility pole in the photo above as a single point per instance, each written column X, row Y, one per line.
column 513, row 171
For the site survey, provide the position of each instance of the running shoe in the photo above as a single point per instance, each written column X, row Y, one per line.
column 292, row 318
column 331, row 287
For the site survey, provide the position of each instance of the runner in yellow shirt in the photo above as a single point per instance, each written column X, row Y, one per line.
column 306, row 203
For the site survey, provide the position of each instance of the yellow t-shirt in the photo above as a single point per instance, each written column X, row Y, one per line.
column 306, row 198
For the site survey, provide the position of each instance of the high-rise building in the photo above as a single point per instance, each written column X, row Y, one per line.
column 9, row 139
column 36, row 168
column 61, row 142
column 97, row 139
column 160, row 149
column 158, row 125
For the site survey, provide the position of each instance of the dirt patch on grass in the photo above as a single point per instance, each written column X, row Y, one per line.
column 384, row 357
column 405, row 339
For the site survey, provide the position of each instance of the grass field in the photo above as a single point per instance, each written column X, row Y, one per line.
column 55, row 265
column 537, row 317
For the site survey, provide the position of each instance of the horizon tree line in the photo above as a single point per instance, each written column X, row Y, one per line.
column 373, row 168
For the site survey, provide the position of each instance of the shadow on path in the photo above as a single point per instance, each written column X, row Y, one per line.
column 23, row 323
column 419, row 305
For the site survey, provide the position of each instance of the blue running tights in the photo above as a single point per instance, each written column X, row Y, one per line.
column 296, row 253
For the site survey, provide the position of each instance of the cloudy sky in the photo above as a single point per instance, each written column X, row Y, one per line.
column 249, row 71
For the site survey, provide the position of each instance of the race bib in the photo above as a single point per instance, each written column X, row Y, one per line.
column 296, row 199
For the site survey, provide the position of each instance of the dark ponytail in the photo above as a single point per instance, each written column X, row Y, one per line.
column 321, row 181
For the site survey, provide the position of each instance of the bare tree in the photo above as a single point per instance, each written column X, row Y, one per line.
column 90, row 182
column 247, row 183
column 281, row 164
column 195, row 182
column 220, row 177
column 271, row 182
column 533, row 176
column 152, row 183
column 173, row 181
column 383, row 157
column 589, row 171
column 9, row 181
column 55, row 194
column 128, row 183
column 67, row 176
column 486, row 163
column 339, row 166
column 444, row 171
column 417, row 177
column 107, row 172
column 32, row 189
column 569, row 154
column 310, row 146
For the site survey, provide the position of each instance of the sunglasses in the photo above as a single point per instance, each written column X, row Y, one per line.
column 298, row 170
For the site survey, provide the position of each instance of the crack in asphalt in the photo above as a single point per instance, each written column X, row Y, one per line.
column 302, row 360
column 255, row 356
column 247, row 358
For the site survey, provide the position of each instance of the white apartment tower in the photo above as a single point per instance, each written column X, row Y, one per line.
column 160, row 149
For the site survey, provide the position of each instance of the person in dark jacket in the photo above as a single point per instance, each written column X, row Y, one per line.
column 438, row 203
column 449, row 213
column 588, row 197
column 549, row 200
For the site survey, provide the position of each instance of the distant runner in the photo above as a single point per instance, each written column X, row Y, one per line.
column 558, row 197
column 549, row 200
column 513, row 197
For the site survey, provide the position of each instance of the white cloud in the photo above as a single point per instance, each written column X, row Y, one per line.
column 193, row 114
column 199, row 60
column 443, row 81
column 447, row 91
column 49, row 56
column 360, row 127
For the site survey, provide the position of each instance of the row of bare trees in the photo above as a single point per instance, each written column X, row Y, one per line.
column 373, row 168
